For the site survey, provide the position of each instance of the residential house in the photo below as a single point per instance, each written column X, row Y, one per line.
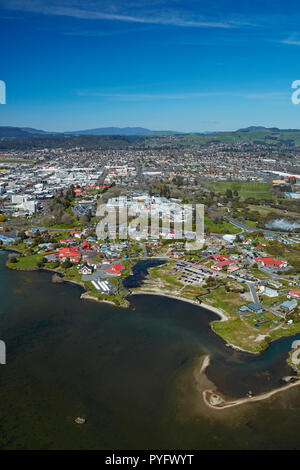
column 70, row 253
column 272, row 263
column 295, row 293
column 289, row 305
column 85, row 269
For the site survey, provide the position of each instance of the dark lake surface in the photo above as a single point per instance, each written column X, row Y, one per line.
column 139, row 272
column 129, row 372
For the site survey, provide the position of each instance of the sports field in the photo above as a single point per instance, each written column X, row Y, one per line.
column 245, row 189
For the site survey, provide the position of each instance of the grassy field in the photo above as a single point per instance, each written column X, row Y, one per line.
column 255, row 190
column 234, row 332
column 75, row 226
column 229, row 302
column 221, row 226
column 26, row 263
column 16, row 160
column 264, row 210
column 244, row 334
column 164, row 273
column 250, row 223
column 259, row 274
column 273, row 301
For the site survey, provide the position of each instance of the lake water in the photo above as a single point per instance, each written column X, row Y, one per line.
column 130, row 373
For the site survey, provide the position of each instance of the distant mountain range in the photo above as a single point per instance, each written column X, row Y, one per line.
column 121, row 131
column 22, row 133
column 127, row 135
column 262, row 128
column 28, row 132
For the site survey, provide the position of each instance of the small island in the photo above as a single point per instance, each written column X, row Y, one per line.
column 79, row 420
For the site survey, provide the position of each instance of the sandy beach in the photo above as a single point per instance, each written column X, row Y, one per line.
column 214, row 400
column 218, row 311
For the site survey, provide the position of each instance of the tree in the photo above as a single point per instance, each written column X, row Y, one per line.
column 84, row 219
column 179, row 181
column 22, row 235
column 67, row 264
column 66, row 219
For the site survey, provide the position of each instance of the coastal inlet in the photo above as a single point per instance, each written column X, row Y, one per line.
column 130, row 374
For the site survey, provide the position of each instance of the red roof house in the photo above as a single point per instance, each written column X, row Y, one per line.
column 70, row 253
column 116, row 269
column 85, row 245
column 74, row 233
column 295, row 293
column 273, row 263
column 223, row 264
column 218, row 257
column 65, row 242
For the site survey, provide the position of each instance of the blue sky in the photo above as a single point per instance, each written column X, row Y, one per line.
column 162, row 64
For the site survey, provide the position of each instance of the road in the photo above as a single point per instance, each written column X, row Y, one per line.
column 139, row 173
column 101, row 178
column 246, row 228
column 278, row 314
column 240, row 225
column 253, row 292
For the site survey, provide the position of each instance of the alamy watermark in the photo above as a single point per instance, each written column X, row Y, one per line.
column 296, row 93
column 2, row 352
column 2, row 92
column 160, row 221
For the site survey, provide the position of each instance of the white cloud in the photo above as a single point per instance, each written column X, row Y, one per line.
column 124, row 11
column 180, row 96
column 292, row 42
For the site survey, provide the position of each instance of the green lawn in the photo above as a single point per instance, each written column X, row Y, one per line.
column 16, row 160
column 250, row 223
column 229, row 302
column 164, row 273
column 270, row 301
column 265, row 211
column 259, row 274
column 27, row 262
column 255, row 190
column 235, row 333
column 221, row 226
column 71, row 274
column 75, row 226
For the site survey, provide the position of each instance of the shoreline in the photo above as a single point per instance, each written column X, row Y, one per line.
column 212, row 399
column 143, row 291
column 216, row 310
column 86, row 296
column 221, row 404
column 215, row 401
column 71, row 281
